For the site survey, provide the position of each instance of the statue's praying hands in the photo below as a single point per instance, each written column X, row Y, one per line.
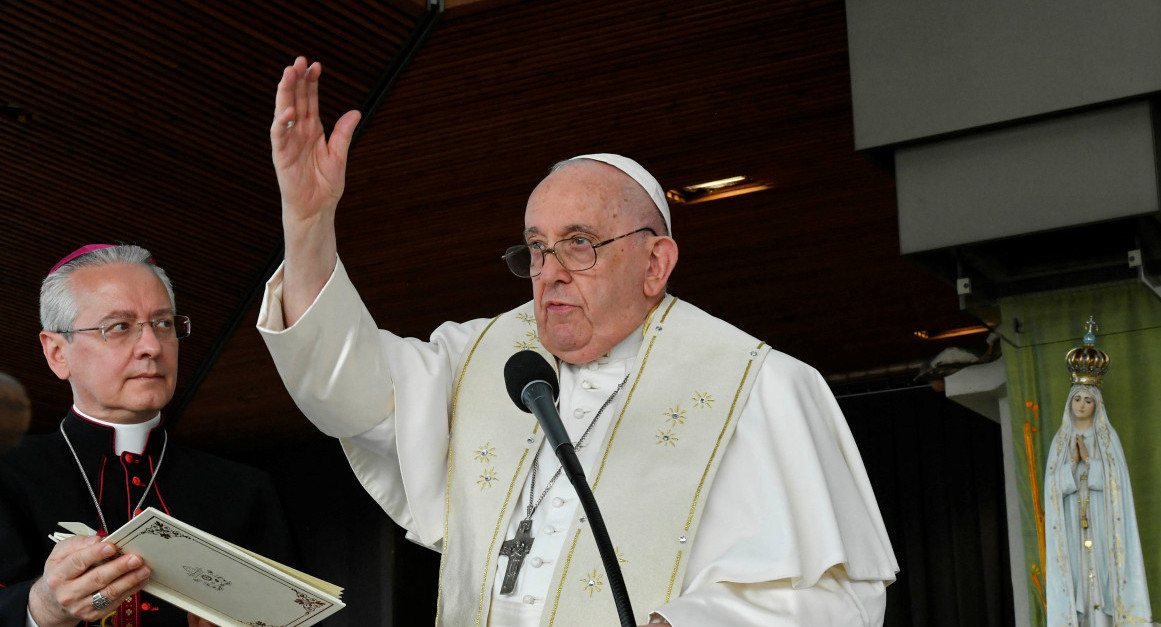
column 1079, row 450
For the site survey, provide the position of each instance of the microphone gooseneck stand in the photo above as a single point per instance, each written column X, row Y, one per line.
column 576, row 475
column 532, row 385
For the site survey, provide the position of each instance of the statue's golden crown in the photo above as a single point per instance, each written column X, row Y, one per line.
column 1088, row 364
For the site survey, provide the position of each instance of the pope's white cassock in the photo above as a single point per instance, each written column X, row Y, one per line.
column 783, row 528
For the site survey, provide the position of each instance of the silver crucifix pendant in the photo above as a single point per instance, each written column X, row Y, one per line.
column 516, row 549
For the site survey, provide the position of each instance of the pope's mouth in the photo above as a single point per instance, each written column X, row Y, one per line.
column 559, row 306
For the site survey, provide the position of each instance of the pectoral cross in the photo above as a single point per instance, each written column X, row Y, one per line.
column 516, row 549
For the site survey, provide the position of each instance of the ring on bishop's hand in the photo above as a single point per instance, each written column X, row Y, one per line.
column 101, row 601
column 290, row 124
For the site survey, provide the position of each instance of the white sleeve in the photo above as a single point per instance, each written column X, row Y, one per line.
column 791, row 532
column 385, row 397
column 834, row 601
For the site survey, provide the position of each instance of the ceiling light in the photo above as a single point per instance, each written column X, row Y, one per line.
column 712, row 190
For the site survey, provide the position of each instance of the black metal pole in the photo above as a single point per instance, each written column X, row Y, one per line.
column 576, row 475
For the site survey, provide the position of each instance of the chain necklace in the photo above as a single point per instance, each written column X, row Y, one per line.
column 532, row 504
column 517, row 548
column 85, row 476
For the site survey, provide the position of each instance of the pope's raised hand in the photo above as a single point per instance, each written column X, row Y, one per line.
column 311, row 176
column 311, row 170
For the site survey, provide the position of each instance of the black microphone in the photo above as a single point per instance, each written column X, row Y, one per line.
column 532, row 385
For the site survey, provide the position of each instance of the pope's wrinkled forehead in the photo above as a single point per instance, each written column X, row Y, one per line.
column 639, row 179
column 638, row 174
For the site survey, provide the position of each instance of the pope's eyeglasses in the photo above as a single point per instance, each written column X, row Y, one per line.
column 575, row 254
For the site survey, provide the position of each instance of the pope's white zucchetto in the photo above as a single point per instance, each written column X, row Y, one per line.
column 639, row 174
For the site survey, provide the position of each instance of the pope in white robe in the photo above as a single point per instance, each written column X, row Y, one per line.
column 727, row 475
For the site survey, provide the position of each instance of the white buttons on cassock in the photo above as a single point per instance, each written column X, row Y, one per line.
column 536, row 562
column 578, row 413
column 586, row 384
column 557, row 501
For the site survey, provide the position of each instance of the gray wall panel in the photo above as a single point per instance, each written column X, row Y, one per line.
column 921, row 68
column 1076, row 169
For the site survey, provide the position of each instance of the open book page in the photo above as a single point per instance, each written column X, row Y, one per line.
column 217, row 580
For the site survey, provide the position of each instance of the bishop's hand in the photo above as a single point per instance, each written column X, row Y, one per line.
column 84, row 580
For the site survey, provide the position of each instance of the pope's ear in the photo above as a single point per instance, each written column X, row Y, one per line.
column 53, row 345
column 662, row 259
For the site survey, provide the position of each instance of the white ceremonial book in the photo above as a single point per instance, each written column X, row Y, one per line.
column 217, row 580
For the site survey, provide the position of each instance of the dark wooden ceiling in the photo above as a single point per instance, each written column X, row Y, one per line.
column 149, row 124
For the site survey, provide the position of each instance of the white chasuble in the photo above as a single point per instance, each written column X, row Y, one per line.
column 661, row 448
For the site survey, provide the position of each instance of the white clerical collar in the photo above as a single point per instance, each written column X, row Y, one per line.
column 629, row 347
column 625, row 350
column 129, row 438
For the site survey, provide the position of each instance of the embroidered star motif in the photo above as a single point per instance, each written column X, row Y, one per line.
column 531, row 340
column 487, row 479
column 592, row 582
column 527, row 318
column 666, row 437
column 675, row 415
column 702, row 400
column 485, row 453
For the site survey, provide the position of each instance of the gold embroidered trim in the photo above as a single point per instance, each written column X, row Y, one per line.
column 669, row 308
column 629, row 396
column 451, row 464
column 673, row 577
column 563, row 576
column 496, row 532
column 718, row 444
column 621, row 416
column 649, row 316
column 605, row 458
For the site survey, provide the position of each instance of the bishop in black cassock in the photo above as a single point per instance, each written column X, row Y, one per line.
column 41, row 485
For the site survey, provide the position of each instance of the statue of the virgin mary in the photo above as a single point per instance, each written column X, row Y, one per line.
column 1095, row 572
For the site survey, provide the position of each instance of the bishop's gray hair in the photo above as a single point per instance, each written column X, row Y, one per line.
column 58, row 304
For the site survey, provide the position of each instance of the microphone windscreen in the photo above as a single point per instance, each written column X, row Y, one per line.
column 525, row 367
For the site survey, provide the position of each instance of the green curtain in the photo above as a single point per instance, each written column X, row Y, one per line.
column 1038, row 331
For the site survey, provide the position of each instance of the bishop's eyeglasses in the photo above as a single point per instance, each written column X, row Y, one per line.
column 574, row 254
column 124, row 331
